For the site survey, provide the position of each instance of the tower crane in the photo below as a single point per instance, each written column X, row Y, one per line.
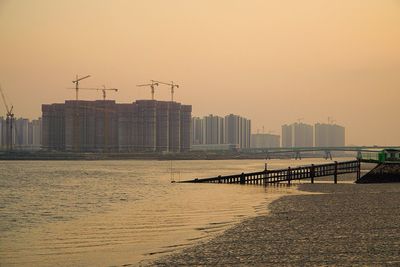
column 107, row 89
column 104, row 89
column 9, row 122
column 152, row 84
column 173, row 86
column 76, row 82
column 331, row 120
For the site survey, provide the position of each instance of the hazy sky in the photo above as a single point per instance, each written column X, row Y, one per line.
column 273, row 62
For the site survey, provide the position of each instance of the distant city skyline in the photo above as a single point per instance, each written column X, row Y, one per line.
column 272, row 61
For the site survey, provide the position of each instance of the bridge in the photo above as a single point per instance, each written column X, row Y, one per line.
column 296, row 151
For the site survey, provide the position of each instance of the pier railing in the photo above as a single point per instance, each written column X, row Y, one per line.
column 286, row 175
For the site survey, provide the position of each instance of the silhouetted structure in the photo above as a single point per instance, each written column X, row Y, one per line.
column 287, row 175
column 265, row 140
column 214, row 130
column 237, row 130
column 103, row 125
column 329, row 135
column 25, row 134
column 297, row 135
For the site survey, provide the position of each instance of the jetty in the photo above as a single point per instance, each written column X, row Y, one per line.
column 287, row 175
column 387, row 169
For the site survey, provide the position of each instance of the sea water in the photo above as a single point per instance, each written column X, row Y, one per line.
column 103, row 213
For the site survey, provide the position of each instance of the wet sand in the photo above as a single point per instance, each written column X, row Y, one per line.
column 348, row 224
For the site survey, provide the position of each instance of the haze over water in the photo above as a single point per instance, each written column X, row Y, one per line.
column 119, row 212
column 273, row 62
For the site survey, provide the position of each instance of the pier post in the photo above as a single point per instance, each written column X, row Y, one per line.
column 242, row 179
column 265, row 174
column 358, row 168
column 289, row 175
column 335, row 174
column 312, row 174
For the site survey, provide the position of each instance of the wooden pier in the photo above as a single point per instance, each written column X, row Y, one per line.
column 287, row 175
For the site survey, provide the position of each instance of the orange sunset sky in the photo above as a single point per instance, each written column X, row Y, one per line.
column 273, row 62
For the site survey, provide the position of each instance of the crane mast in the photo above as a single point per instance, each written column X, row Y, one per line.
column 76, row 82
column 9, row 122
column 152, row 84
column 172, row 85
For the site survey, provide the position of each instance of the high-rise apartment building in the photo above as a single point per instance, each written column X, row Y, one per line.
column 197, row 131
column 185, row 126
column 35, row 133
column 265, row 141
column 103, row 125
column 2, row 133
column 213, row 130
column 287, row 136
column 329, row 135
column 297, row 135
column 237, row 130
column 24, row 134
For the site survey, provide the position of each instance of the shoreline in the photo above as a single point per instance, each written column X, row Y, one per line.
column 88, row 156
column 342, row 224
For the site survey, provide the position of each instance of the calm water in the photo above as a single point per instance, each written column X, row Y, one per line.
column 102, row 213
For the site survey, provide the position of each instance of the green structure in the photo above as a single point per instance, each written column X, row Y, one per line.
column 385, row 155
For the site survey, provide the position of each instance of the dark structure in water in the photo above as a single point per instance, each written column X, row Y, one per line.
column 387, row 171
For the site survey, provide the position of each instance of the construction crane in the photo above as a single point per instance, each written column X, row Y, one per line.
column 173, row 86
column 76, row 82
column 9, row 122
column 331, row 120
column 152, row 84
column 104, row 89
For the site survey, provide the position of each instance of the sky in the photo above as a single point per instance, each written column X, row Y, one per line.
column 274, row 62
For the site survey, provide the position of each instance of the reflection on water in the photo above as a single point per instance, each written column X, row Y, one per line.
column 119, row 212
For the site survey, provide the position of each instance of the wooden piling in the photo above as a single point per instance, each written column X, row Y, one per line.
column 242, row 179
column 358, row 168
column 335, row 173
column 277, row 176
column 312, row 173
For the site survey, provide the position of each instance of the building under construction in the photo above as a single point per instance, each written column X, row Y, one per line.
column 103, row 125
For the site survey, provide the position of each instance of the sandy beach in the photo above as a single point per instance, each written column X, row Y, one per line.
column 346, row 224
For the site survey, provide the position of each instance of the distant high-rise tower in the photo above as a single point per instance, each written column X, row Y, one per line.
column 329, row 135
column 287, row 136
column 265, row 140
column 297, row 135
column 213, row 130
column 197, row 131
column 237, row 131
column 103, row 125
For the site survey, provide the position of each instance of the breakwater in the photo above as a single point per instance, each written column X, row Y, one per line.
column 287, row 175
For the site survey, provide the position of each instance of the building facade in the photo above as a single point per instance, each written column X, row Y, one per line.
column 265, row 141
column 197, row 131
column 297, row 135
column 329, row 135
column 287, row 136
column 237, row 130
column 23, row 135
column 103, row 125
column 215, row 130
